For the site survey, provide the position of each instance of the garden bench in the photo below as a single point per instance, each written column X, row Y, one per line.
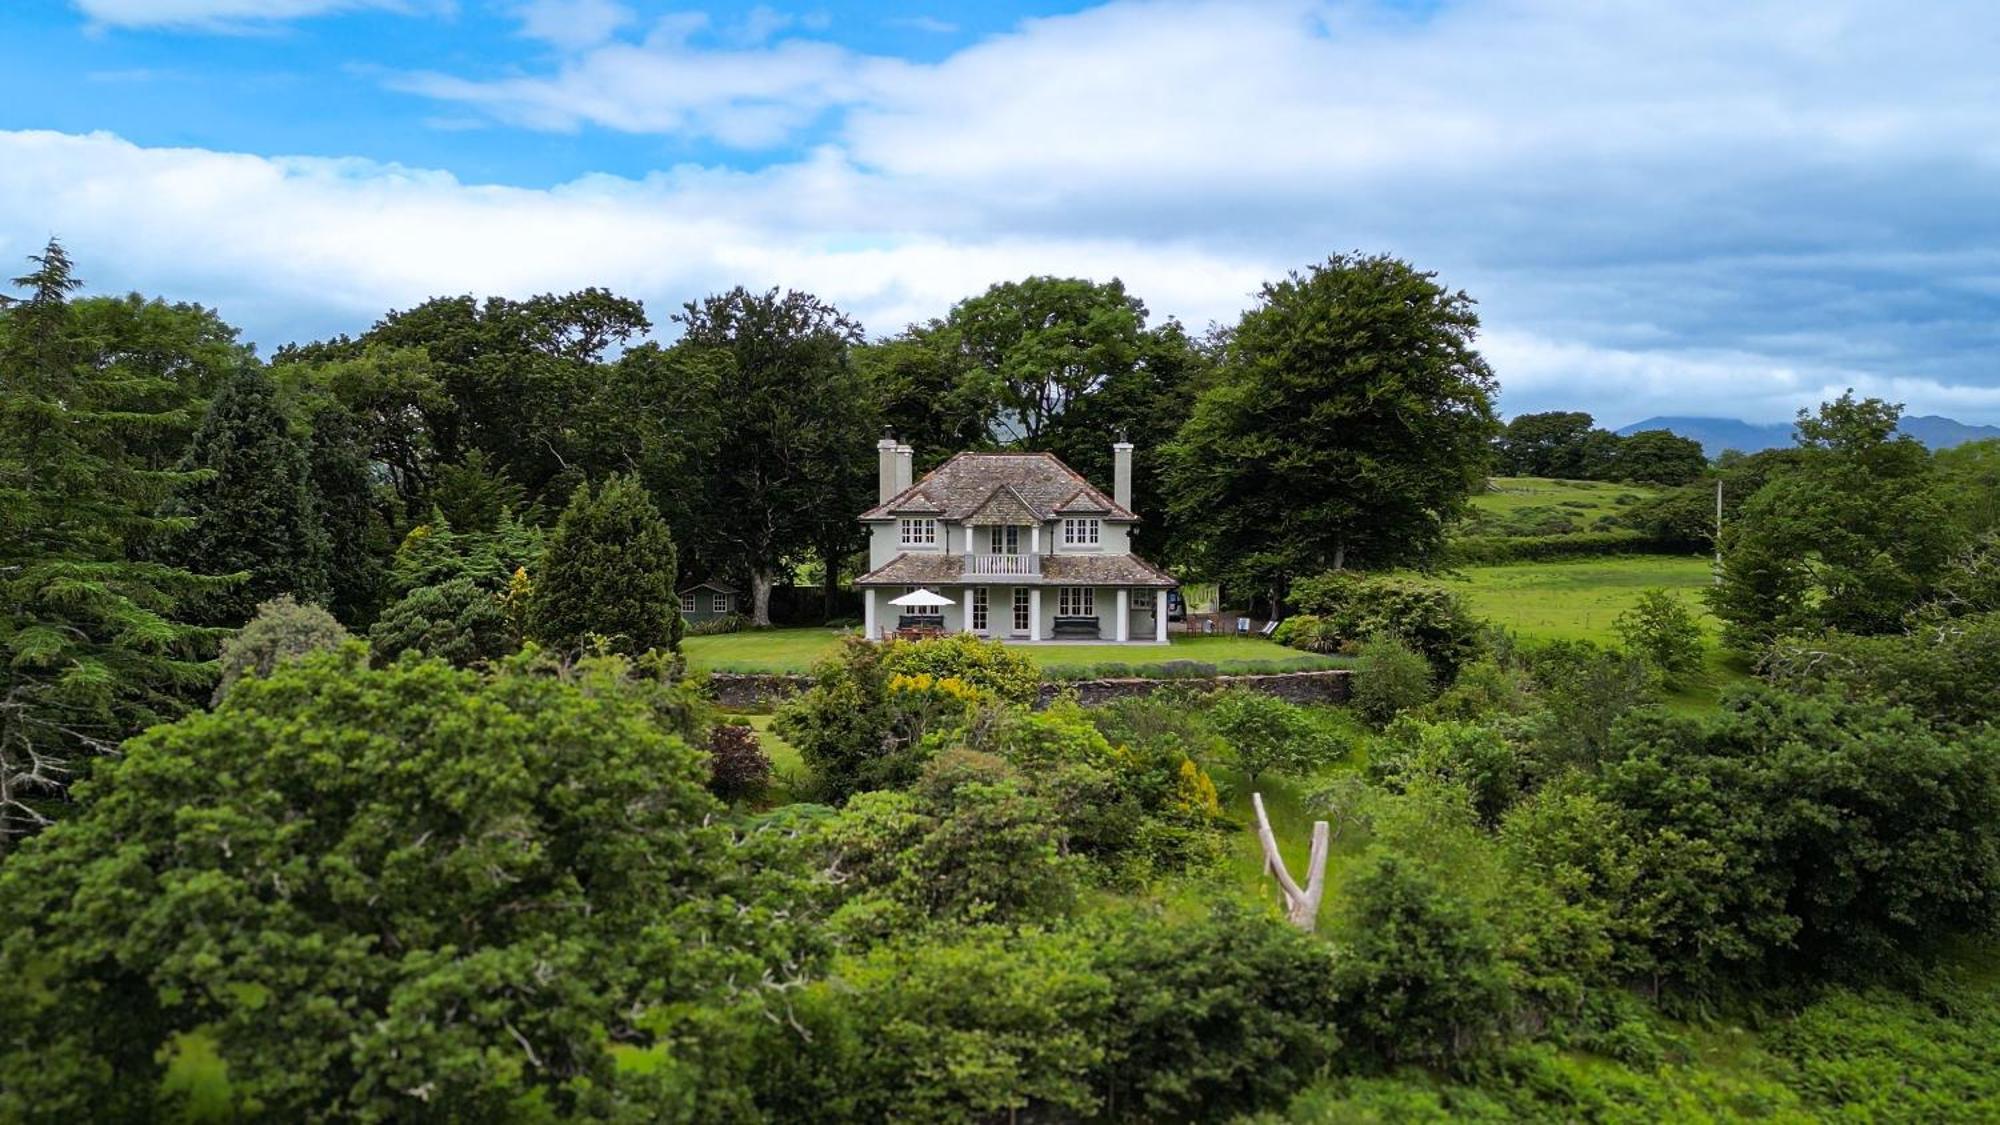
column 1076, row 628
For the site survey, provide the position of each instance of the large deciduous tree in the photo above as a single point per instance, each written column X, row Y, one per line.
column 1849, row 535
column 1349, row 421
column 92, row 645
column 250, row 505
column 797, row 420
column 1046, row 342
column 609, row 572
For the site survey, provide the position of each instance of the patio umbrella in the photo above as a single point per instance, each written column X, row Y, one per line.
column 923, row 598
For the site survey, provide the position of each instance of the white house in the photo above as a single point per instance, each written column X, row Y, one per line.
column 1025, row 548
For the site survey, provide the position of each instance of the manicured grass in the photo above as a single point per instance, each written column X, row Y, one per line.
column 795, row 650
column 761, row 650
column 1579, row 599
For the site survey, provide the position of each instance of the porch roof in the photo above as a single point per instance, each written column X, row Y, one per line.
column 929, row 569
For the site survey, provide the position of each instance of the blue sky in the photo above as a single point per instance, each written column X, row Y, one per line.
column 1697, row 208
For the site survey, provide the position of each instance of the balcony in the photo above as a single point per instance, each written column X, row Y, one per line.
column 1003, row 566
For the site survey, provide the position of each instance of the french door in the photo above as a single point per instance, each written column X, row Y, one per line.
column 1003, row 540
column 979, row 609
column 1021, row 623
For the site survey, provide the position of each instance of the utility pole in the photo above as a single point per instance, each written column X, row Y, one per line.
column 1718, row 531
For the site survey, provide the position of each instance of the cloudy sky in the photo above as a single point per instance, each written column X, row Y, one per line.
column 1683, row 207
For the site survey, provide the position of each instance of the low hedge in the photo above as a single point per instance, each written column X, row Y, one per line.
column 1477, row 549
column 1192, row 669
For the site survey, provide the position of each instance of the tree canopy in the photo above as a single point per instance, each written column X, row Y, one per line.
column 1348, row 421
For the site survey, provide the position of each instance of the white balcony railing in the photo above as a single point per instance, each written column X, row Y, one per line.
column 1018, row 566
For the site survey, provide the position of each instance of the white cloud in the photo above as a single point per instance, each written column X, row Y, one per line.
column 222, row 15
column 1710, row 207
column 573, row 24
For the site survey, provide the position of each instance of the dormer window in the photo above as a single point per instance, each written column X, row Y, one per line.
column 1080, row 533
column 919, row 533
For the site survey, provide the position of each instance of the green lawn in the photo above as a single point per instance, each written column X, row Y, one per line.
column 1579, row 599
column 794, row 650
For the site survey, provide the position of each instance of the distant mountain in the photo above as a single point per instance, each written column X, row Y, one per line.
column 1718, row 434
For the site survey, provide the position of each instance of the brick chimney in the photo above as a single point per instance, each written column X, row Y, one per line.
column 885, row 469
column 1121, row 474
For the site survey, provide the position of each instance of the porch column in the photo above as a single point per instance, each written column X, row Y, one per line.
column 1160, row 616
column 868, row 614
column 1124, row 615
column 1035, row 613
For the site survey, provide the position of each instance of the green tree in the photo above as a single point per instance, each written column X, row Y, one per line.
column 1268, row 735
column 1550, row 444
column 797, row 423
column 250, row 506
column 931, row 393
column 1048, row 342
column 458, row 911
column 170, row 359
column 609, row 572
column 94, row 642
column 1971, row 477
column 1662, row 629
column 1850, row 536
column 1419, row 973
column 456, row 620
column 282, row 630
column 357, row 535
column 1349, row 421
column 1659, row 457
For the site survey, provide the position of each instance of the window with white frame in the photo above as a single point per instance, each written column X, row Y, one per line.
column 919, row 533
column 1076, row 601
column 1004, row 540
column 718, row 603
column 687, row 603
column 979, row 609
column 921, row 610
column 1080, row 533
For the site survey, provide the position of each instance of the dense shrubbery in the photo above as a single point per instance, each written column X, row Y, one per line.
column 1389, row 678
column 1351, row 608
column 1661, row 629
column 235, row 877
column 1486, row 550
column 1269, row 735
column 458, row 621
column 1947, row 671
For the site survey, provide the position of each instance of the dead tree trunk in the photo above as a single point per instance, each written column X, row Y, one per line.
column 1301, row 906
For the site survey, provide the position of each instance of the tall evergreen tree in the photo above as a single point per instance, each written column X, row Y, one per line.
column 357, row 537
column 91, row 645
column 609, row 572
column 250, row 505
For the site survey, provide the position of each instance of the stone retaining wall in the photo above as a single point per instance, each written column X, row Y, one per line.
column 753, row 691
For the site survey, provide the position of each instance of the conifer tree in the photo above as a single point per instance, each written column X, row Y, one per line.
column 92, row 644
column 250, row 503
column 357, row 537
column 609, row 573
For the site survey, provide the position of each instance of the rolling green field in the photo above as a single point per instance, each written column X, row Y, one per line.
column 1541, row 506
column 1579, row 599
column 795, row 650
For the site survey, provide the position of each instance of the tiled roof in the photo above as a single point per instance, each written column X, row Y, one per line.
column 1103, row 570
column 1004, row 506
column 914, row 568
column 718, row 587
column 962, row 485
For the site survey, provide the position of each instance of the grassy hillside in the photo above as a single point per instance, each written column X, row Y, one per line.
column 1541, row 506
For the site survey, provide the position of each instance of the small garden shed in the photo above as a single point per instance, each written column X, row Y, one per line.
column 707, row 601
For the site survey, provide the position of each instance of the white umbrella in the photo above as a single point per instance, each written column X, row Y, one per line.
column 921, row 597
